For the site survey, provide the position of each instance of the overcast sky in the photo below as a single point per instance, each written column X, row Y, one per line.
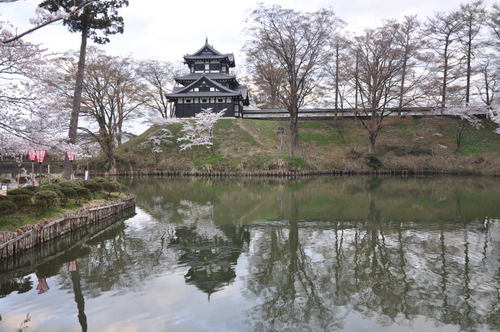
column 166, row 30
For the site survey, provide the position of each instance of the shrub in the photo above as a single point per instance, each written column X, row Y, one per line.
column 20, row 191
column 45, row 199
column 83, row 192
column 68, row 184
column 7, row 207
column 101, row 180
column 63, row 199
column 3, row 198
column 78, row 182
column 373, row 162
column 92, row 186
column 52, row 187
column 33, row 189
column 110, row 186
column 21, row 200
column 68, row 192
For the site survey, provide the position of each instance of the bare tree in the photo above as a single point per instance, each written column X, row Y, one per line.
column 490, row 79
column 415, row 62
column 339, row 69
column 378, row 77
column 298, row 42
column 444, row 32
column 109, row 98
column 268, row 77
column 472, row 15
column 158, row 78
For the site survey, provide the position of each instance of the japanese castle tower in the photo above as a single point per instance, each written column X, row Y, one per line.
column 208, row 85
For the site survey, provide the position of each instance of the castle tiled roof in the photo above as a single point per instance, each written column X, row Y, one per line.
column 209, row 52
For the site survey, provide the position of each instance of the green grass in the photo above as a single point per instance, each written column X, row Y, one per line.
column 29, row 216
column 310, row 124
column 295, row 162
column 211, row 160
column 251, row 145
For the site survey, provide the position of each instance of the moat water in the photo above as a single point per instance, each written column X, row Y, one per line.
column 321, row 254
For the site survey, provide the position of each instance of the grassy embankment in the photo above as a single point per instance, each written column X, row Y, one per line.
column 31, row 205
column 28, row 217
column 415, row 145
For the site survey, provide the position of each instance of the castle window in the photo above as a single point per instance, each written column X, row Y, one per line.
column 220, row 100
column 188, row 101
column 204, row 101
column 215, row 67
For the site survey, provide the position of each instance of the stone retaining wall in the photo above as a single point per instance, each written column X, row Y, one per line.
column 13, row 243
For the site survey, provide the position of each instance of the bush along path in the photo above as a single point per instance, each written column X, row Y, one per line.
column 31, row 204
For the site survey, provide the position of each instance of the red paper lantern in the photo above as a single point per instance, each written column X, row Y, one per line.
column 40, row 155
column 32, row 155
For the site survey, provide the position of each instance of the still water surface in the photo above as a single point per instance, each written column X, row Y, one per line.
column 352, row 254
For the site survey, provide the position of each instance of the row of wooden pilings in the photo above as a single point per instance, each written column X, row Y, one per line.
column 296, row 173
column 13, row 243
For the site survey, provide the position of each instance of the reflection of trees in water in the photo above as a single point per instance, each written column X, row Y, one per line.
column 293, row 293
column 125, row 258
column 307, row 277
column 21, row 285
column 314, row 265
column 348, row 198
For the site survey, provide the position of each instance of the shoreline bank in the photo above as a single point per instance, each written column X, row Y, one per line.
column 30, row 236
column 296, row 173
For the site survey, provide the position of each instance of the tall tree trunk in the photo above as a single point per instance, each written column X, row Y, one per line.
column 294, row 135
column 469, row 55
column 75, row 112
column 336, row 79
column 373, row 141
column 79, row 299
column 119, row 134
column 402, row 87
column 293, row 235
column 445, row 76
column 111, row 162
column 356, row 73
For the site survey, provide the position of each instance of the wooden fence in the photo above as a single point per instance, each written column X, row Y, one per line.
column 331, row 113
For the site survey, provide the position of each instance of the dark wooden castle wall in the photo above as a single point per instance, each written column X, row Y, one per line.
column 189, row 110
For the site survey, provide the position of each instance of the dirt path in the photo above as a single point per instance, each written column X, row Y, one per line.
column 256, row 137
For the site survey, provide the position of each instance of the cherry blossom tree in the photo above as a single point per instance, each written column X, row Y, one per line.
column 464, row 116
column 494, row 113
column 155, row 142
column 29, row 116
column 200, row 131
